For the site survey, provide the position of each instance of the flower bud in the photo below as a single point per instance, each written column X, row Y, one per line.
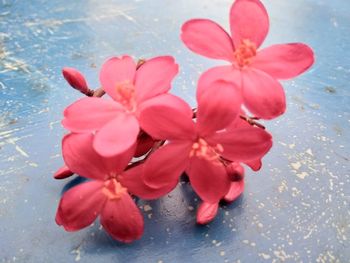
column 63, row 173
column 144, row 144
column 76, row 80
column 236, row 189
column 235, row 171
column 140, row 62
column 206, row 212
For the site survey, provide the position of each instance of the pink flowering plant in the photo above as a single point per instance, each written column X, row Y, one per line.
column 139, row 139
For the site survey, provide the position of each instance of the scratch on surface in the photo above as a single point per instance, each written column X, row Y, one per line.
column 77, row 252
column 302, row 175
column 55, row 156
column 309, row 234
column 128, row 17
column 59, row 22
column 8, row 133
column 264, row 256
column 281, row 255
column 32, row 164
column 12, row 170
column 2, row 85
column 6, row 119
column 10, row 63
column 52, row 123
column 283, row 187
column 54, row 22
column 18, row 148
column 296, row 165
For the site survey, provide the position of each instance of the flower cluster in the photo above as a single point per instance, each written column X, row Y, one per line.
column 141, row 139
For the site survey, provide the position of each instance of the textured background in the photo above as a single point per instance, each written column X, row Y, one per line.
column 295, row 209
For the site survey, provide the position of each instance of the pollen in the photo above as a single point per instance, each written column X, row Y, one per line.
column 202, row 149
column 244, row 53
column 126, row 95
column 113, row 189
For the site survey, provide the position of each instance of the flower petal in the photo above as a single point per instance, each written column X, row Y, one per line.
column 122, row 219
column 209, row 180
column 117, row 136
column 226, row 73
column 243, row 144
column 63, row 173
column 284, row 61
column 206, row 212
column 167, row 117
column 81, row 158
column 80, row 206
column 239, row 122
column 116, row 164
column 248, row 20
column 263, row 96
column 218, row 106
column 236, row 189
column 255, row 165
column 89, row 114
column 165, row 165
column 116, row 70
column 207, row 38
column 133, row 181
column 154, row 77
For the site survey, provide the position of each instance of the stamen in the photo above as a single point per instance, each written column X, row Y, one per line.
column 244, row 53
column 219, row 148
column 202, row 149
column 113, row 189
column 126, row 95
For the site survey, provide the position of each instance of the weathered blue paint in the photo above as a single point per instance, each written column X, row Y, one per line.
column 295, row 209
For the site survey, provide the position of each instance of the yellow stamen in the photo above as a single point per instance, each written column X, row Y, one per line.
column 113, row 189
column 126, row 95
column 202, row 149
column 245, row 53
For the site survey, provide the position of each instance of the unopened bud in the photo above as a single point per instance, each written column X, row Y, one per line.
column 144, row 144
column 76, row 80
column 63, row 173
column 235, row 171
column 140, row 62
column 236, row 189
column 206, row 212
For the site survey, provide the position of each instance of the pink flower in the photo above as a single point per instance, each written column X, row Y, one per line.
column 116, row 121
column 106, row 194
column 254, row 70
column 198, row 147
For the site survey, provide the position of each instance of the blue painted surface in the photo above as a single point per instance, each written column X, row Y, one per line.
column 296, row 209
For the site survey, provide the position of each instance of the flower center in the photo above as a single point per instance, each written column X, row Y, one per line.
column 202, row 149
column 126, row 95
column 244, row 53
column 113, row 189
